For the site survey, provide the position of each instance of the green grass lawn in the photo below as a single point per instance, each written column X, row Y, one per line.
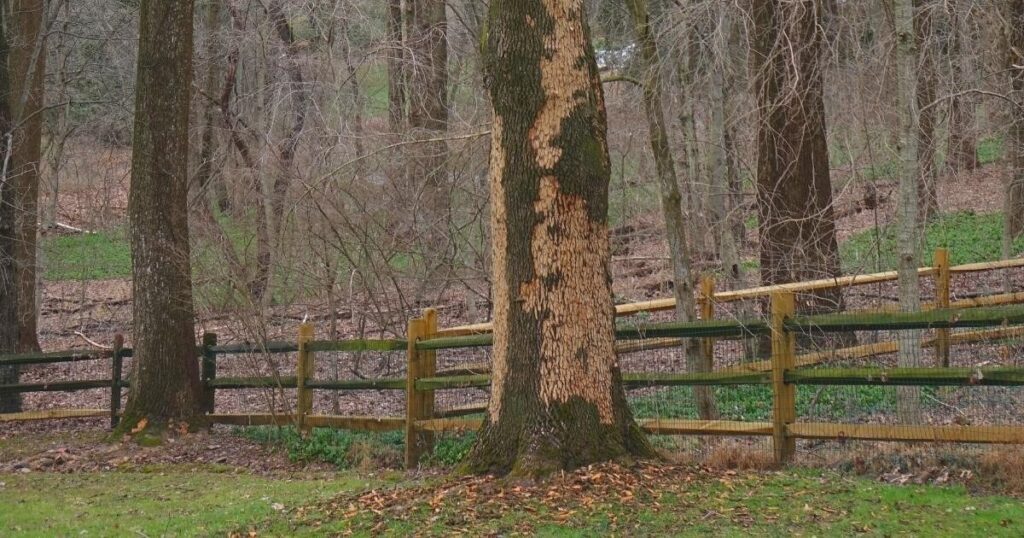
column 183, row 501
column 166, row 501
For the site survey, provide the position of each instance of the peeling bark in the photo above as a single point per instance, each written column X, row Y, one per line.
column 165, row 377
column 557, row 400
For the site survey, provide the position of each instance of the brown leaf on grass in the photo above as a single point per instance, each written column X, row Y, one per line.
column 140, row 426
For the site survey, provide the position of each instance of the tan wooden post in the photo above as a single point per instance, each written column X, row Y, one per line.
column 304, row 371
column 413, row 400
column 783, row 394
column 942, row 292
column 707, row 312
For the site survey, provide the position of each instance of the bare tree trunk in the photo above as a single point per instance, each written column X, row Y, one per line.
column 165, row 377
column 428, row 121
column 962, row 153
column 396, row 72
column 794, row 187
column 271, row 236
column 28, row 61
column 908, row 240
column 688, row 156
column 671, row 202
column 207, row 175
column 58, row 126
column 925, row 12
column 9, row 402
column 557, row 400
column 1014, row 205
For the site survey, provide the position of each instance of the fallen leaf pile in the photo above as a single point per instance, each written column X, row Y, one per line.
column 462, row 505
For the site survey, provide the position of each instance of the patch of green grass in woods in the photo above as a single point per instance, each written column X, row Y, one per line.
column 91, row 256
column 346, row 449
column 990, row 149
column 799, row 502
column 754, row 402
column 970, row 237
column 165, row 501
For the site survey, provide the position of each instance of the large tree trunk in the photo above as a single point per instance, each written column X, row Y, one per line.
column 924, row 15
column 1014, row 210
column 28, row 63
column 962, row 153
column 671, row 201
column 9, row 402
column 907, row 58
column 794, row 187
column 557, row 400
column 165, row 378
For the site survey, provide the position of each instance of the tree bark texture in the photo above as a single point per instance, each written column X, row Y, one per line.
column 1015, row 188
column 165, row 378
column 269, row 235
column 428, row 117
column 557, row 400
column 671, row 201
column 925, row 12
column 28, row 64
column 207, row 176
column 9, row 402
column 908, row 217
column 396, row 72
column 794, row 187
column 962, row 152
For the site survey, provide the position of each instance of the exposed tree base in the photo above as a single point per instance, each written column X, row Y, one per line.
column 153, row 431
column 516, row 449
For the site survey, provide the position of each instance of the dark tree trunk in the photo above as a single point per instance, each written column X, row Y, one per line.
column 9, row 402
column 207, row 174
column 165, row 378
column 271, row 235
column 557, row 400
column 962, row 152
column 1015, row 188
column 396, row 72
column 794, row 188
column 924, row 16
column 428, row 118
column 28, row 63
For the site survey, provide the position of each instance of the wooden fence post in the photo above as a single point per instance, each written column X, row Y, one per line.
column 304, row 371
column 707, row 312
column 783, row 358
column 115, row 379
column 209, row 371
column 419, row 404
column 942, row 292
column 412, row 400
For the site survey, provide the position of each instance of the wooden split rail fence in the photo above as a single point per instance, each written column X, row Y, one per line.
column 997, row 316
